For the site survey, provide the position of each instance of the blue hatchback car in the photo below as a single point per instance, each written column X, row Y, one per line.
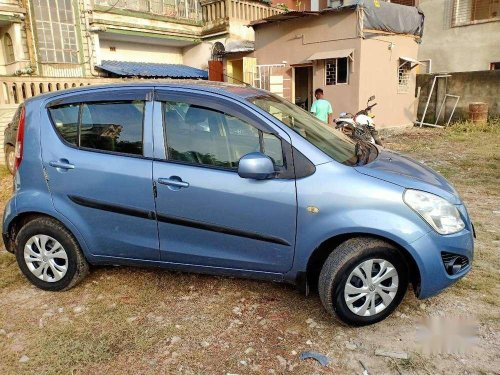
column 227, row 180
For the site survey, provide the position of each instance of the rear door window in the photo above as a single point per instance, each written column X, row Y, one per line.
column 105, row 126
column 115, row 127
column 65, row 119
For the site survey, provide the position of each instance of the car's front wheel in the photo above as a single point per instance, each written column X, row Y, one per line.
column 49, row 256
column 10, row 158
column 363, row 280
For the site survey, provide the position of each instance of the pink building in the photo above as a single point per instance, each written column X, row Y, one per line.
column 350, row 52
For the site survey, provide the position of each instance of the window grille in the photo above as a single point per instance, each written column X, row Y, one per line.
column 404, row 77
column 56, row 31
column 466, row 12
column 495, row 66
column 337, row 71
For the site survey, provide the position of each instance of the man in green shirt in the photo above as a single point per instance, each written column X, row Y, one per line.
column 322, row 108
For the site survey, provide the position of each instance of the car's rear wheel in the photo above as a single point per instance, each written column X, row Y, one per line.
column 49, row 256
column 363, row 281
column 10, row 158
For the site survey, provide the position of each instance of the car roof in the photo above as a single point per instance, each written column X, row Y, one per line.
column 228, row 89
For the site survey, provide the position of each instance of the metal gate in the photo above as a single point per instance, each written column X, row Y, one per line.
column 271, row 77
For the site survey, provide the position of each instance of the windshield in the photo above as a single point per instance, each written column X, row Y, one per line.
column 329, row 140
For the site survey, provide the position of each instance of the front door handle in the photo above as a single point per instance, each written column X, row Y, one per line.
column 173, row 181
column 61, row 164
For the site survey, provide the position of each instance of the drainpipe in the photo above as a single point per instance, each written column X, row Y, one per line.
column 30, row 38
column 91, row 46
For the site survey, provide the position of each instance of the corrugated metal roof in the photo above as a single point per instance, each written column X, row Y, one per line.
column 139, row 69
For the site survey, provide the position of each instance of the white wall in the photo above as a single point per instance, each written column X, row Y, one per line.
column 131, row 51
column 457, row 49
column 18, row 44
column 198, row 56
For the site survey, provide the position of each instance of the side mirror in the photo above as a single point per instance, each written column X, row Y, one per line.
column 256, row 166
column 371, row 98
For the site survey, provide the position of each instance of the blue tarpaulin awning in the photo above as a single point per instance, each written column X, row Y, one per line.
column 138, row 69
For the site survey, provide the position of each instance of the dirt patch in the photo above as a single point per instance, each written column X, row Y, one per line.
column 132, row 320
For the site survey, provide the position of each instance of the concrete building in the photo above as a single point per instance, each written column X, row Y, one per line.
column 70, row 38
column 48, row 45
column 334, row 49
column 14, row 54
column 460, row 35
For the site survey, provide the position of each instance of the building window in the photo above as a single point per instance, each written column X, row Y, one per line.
column 8, row 49
column 56, row 31
column 218, row 51
column 337, row 71
column 467, row 12
column 404, row 76
column 495, row 66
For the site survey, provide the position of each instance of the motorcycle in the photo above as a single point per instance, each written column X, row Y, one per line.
column 361, row 125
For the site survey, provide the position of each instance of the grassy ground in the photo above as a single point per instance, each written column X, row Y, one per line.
column 131, row 320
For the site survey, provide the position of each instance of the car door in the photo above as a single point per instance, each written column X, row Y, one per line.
column 207, row 215
column 97, row 156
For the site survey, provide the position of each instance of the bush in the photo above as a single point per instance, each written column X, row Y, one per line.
column 461, row 127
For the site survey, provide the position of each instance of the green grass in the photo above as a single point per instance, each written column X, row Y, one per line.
column 98, row 335
column 3, row 171
column 9, row 270
column 462, row 128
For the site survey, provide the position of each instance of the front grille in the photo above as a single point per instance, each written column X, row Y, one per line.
column 454, row 263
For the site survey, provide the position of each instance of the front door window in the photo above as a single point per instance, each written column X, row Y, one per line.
column 200, row 135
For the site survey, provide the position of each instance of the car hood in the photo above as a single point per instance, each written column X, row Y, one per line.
column 408, row 173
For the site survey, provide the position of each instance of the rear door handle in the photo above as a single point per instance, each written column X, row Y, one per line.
column 62, row 164
column 173, row 181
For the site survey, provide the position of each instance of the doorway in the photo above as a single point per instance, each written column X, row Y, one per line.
column 235, row 71
column 303, row 84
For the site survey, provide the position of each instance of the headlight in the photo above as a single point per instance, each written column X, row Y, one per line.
column 438, row 212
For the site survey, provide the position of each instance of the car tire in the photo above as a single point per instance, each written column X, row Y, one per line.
column 356, row 298
column 49, row 256
column 10, row 158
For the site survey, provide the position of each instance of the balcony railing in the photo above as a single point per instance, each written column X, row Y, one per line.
column 245, row 10
column 181, row 9
column 252, row 10
column 15, row 90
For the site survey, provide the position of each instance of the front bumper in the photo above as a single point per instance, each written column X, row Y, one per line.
column 427, row 254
